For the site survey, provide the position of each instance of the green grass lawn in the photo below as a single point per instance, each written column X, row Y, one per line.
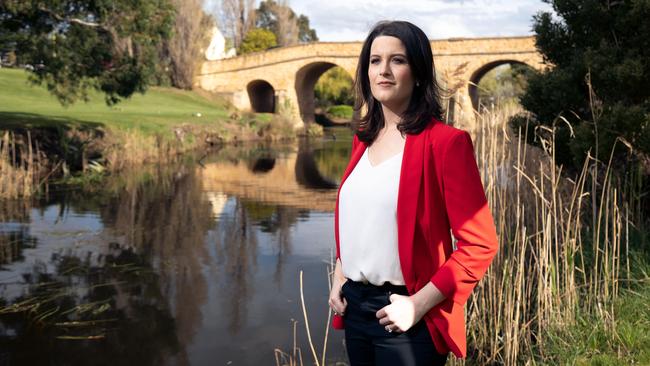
column 341, row 111
column 22, row 104
column 590, row 342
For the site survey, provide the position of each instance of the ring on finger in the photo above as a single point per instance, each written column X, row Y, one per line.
column 388, row 329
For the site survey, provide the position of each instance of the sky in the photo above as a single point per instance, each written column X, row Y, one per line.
column 350, row 20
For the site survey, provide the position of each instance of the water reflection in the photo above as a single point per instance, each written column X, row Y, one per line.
column 88, row 304
column 181, row 264
column 294, row 180
column 262, row 164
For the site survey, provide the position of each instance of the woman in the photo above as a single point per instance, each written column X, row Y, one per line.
column 398, row 286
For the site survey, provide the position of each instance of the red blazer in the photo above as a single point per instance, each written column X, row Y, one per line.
column 439, row 190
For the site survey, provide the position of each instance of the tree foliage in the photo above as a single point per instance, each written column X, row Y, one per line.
column 599, row 58
column 280, row 19
column 305, row 33
column 257, row 39
column 334, row 87
column 74, row 45
column 503, row 84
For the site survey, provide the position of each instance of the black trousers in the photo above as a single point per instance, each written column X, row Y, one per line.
column 368, row 342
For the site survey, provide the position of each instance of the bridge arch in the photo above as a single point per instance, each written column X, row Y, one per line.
column 261, row 95
column 479, row 73
column 306, row 79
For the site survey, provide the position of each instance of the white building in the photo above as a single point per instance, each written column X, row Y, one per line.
column 217, row 48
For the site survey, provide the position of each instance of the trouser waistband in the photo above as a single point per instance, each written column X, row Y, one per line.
column 386, row 286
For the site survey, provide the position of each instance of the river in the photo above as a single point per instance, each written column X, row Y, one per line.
column 192, row 263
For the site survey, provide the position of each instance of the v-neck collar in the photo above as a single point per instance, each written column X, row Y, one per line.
column 367, row 155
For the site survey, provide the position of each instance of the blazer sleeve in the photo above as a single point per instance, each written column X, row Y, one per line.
column 470, row 220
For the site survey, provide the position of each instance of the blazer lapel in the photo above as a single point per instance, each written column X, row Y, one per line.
column 407, row 202
column 354, row 159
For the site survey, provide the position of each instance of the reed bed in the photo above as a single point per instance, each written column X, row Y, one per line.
column 19, row 167
column 26, row 170
column 132, row 148
column 564, row 245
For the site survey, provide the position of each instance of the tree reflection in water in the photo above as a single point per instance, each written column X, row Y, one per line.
column 137, row 301
column 150, row 268
column 168, row 223
column 87, row 311
column 237, row 253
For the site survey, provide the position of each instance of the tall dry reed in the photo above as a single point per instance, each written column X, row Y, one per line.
column 19, row 167
column 547, row 270
column 132, row 148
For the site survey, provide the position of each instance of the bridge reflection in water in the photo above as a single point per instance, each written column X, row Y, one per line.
column 289, row 179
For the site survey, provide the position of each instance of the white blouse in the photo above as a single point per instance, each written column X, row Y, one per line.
column 368, row 222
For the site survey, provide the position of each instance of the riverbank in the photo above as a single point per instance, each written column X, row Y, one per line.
column 42, row 140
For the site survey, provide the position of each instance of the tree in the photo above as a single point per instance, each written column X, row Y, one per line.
column 237, row 18
column 503, row 85
column 599, row 58
column 286, row 25
column 334, row 87
column 189, row 38
column 257, row 39
column 306, row 34
column 280, row 19
column 72, row 46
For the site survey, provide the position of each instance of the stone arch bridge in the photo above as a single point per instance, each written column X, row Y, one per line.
column 283, row 79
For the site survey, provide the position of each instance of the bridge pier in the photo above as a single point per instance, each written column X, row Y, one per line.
column 287, row 104
column 240, row 100
column 464, row 116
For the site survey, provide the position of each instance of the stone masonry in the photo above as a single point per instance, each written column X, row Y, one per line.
column 283, row 79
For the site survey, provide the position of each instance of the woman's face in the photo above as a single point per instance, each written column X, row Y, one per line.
column 389, row 73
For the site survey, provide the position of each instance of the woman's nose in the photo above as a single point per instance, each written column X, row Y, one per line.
column 384, row 69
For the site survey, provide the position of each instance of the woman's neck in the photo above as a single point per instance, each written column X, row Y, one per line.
column 393, row 114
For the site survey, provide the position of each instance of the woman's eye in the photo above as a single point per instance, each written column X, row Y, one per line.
column 399, row 60
column 374, row 61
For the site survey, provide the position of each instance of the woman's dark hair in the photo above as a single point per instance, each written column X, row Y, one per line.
column 425, row 100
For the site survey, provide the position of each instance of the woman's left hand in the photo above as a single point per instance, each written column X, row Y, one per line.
column 400, row 314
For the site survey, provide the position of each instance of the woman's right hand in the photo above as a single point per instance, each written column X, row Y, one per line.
column 337, row 302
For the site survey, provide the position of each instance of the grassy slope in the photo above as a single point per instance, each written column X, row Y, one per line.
column 156, row 111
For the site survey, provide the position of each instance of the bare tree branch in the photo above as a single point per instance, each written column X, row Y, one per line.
column 237, row 18
column 71, row 20
column 287, row 24
column 190, row 37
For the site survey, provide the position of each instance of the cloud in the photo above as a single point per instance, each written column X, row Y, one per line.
column 350, row 20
